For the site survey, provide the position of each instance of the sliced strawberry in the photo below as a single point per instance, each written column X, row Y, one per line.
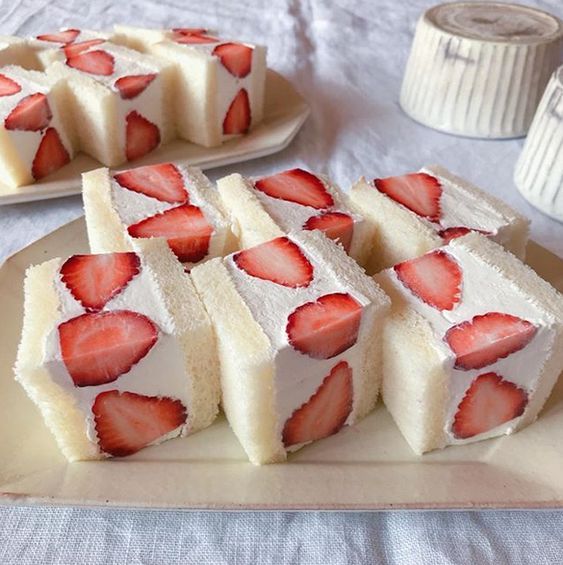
column 189, row 30
column 325, row 412
column 298, row 186
column 185, row 228
column 96, row 62
column 76, row 48
column 65, row 36
column 163, row 182
column 126, row 422
column 325, row 328
column 280, row 261
column 335, row 225
column 485, row 339
column 235, row 57
column 489, row 402
column 32, row 113
column 237, row 120
column 435, row 278
column 95, row 279
column 131, row 86
column 141, row 136
column 418, row 192
column 51, row 155
column 194, row 38
column 99, row 347
column 452, row 233
column 8, row 87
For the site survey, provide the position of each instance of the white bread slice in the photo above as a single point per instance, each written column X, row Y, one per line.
column 204, row 89
column 16, row 51
column 248, row 354
column 254, row 223
column 60, row 406
column 107, row 218
column 18, row 148
column 140, row 38
column 417, row 375
column 101, row 113
column 418, row 235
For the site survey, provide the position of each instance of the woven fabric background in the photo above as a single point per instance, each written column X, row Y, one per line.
column 346, row 57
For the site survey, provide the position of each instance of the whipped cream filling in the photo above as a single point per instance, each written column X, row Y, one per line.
column 291, row 216
column 51, row 51
column 146, row 377
column 298, row 376
column 483, row 290
column 132, row 207
column 27, row 142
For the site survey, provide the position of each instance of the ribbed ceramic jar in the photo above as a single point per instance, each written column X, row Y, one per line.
column 478, row 69
column 539, row 170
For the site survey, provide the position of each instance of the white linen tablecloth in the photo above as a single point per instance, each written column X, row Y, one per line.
column 347, row 59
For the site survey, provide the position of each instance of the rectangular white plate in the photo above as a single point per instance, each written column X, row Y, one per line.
column 368, row 466
column 284, row 114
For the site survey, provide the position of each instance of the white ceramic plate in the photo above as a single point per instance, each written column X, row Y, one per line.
column 368, row 466
column 284, row 113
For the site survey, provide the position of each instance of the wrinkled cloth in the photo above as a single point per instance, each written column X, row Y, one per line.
column 347, row 59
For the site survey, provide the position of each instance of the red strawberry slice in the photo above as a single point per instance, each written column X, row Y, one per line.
column 235, row 57
column 141, row 136
column 298, row 186
column 194, row 38
column 126, row 422
column 489, row 402
column 99, row 347
column 452, row 233
column 325, row 328
column 96, row 62
column 81, row 46
column 237, row 119
column 8, row 87
column 335, row 225
column 95, row 279
column 418, row 192
column 435, row 278
column 51, row 155
column 131, row 86
column 189, row 30
column 185, row 228
column 32, row 113
column 163, row 182
column 325, row 412
column 66, row 36
column 485, row 339
column 280, row 261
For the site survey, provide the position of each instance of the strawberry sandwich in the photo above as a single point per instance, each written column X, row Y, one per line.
column 298, row 329
column 473, row 346
column 295, row 200
column 97, row 332
column 34, row 138
column 219, row 83
column 121, row 100
column 169, row 201
column 417, row 212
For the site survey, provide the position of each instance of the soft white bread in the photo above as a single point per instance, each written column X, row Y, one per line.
column 247, row 356
column 18, row 148
column 415, row 379
column 107, row 232
column 99, row 111
column 192, row 329
column 138, row 38
column 398, row 233
column 253, row 224
column 15, row 51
